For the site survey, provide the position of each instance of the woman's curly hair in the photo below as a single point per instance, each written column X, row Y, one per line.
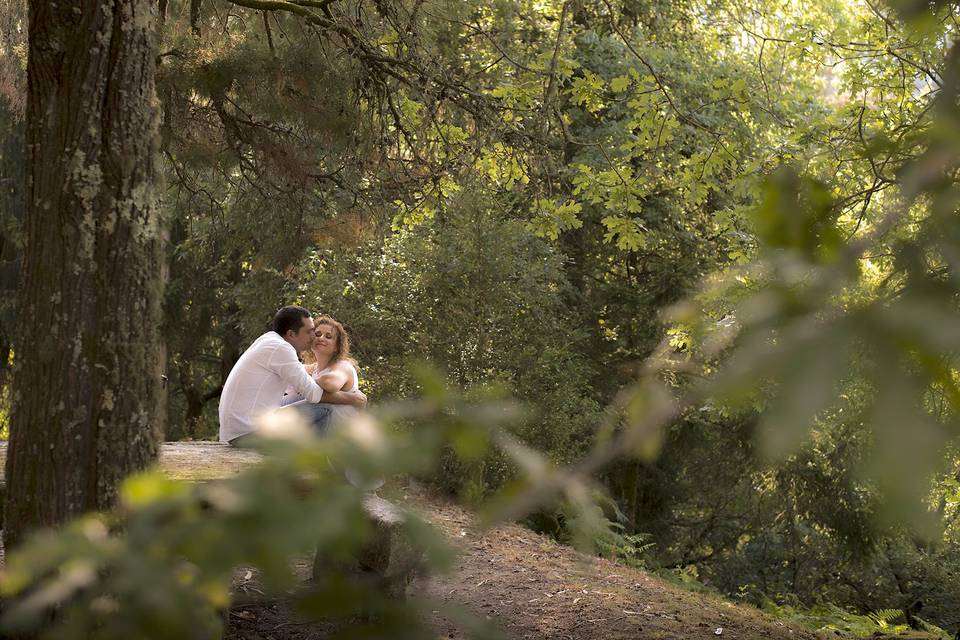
column 342, row 352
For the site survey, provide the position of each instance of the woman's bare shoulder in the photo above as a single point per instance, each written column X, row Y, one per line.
column 344, row 365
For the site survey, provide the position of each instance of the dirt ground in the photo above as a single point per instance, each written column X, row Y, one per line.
column 533, row 588
column 526, row 584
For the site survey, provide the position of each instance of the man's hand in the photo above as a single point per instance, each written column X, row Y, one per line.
column 351, row 398
column 358, row 399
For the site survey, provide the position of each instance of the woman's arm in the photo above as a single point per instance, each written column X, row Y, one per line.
column 337, row 379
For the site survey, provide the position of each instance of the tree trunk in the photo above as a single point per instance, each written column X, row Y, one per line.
column 87, row 406
column 195, row 17
column 11, row 220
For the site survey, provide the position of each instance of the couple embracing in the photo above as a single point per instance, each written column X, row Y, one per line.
column 269, row 375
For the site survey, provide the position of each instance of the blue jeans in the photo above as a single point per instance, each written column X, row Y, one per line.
column 317, row 415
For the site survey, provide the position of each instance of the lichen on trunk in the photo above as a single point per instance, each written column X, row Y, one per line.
column 87, row 405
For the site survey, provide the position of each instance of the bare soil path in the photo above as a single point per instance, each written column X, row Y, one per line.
column 532, row 587
column 536, row 589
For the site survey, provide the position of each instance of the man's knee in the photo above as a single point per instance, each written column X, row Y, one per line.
column 318, row 415
column 241, row 441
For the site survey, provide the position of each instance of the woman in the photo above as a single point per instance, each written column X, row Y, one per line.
column 329, row 363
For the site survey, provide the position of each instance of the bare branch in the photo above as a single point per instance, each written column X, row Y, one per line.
column 298, row 7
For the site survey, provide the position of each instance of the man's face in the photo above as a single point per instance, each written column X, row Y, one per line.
column 302, row 339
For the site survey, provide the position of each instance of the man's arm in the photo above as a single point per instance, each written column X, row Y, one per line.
column 283, row 361
column 355, row 398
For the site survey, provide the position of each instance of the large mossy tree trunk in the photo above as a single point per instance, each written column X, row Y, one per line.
column 87, row 407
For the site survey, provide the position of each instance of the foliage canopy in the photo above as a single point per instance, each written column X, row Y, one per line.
column 731, row 223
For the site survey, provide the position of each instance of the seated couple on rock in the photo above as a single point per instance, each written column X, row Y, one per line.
column 269, row 375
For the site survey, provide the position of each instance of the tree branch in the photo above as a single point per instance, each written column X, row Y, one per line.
column 298, row 7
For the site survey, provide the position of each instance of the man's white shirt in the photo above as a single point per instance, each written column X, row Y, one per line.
column 257, row 382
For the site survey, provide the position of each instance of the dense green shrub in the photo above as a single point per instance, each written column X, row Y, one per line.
column 476, row 294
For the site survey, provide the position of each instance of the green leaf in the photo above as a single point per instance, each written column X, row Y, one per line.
column 810, row 375
column 620, row 84
column 140, row 490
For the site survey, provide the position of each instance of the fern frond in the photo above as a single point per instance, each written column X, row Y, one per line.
column 884, row 617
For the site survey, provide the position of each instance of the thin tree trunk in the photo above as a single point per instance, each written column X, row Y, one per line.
column 266, row 29
column 195, row 6
column 631, row 491
column 11, row 220
column 87, row 406
column 191, row 422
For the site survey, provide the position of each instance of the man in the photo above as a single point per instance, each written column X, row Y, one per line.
column 269, row 367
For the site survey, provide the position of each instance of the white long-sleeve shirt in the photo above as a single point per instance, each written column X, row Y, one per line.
column 257, row 382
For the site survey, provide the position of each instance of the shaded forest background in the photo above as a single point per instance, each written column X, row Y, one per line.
column 521, row 192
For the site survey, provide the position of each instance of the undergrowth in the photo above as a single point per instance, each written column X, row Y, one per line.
column 830, row 617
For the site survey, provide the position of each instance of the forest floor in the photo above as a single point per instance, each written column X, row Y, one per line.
column 532, row 588
column 527, row 584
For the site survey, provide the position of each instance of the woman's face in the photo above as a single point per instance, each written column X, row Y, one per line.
column 325, row 341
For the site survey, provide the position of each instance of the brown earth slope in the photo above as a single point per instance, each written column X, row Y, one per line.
column 534, row 588
column 531, row 586
column 540, row 589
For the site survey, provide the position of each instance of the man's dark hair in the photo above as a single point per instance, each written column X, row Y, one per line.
column 289, row 318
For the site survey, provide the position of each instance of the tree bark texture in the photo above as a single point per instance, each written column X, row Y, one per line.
column 195, row 6
column 87, row 407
